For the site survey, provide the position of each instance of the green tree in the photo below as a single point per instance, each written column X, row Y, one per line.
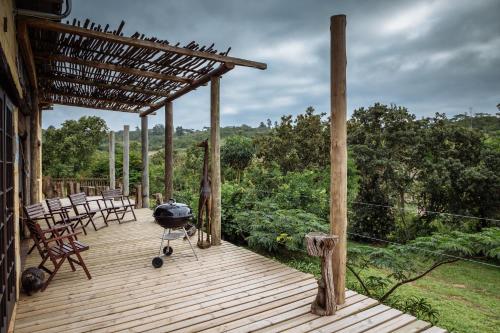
column 67, row 151
column 237, row 153
column 384, row 141
column 460, row 174
column 297, row 144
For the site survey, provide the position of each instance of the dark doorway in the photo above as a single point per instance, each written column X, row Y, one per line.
column 7, row 244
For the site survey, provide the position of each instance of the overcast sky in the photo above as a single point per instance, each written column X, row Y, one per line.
column 430, row 56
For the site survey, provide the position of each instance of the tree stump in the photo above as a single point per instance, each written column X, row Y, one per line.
column 321, row 245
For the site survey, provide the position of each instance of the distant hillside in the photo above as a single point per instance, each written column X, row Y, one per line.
column 488, row 123
column 184, row 138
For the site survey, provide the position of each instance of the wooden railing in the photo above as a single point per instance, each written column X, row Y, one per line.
column 61, row 187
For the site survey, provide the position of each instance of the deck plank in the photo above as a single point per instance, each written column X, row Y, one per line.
column 230, row 289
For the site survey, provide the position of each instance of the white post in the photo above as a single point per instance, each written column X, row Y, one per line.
column 126, row 148
column 145, row 162
column 112, row 160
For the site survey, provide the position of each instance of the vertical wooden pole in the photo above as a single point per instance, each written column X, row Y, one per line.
column 27, row 166
column 338, row 153
column 169, row 151
column 112, row 181
column 145, row 162
column 126, row 159
column 36, row 154
column 215, row 159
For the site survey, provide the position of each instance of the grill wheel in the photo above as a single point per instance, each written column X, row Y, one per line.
column 157, row 262
column 168, row 250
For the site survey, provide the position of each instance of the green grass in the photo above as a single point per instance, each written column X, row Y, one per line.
column 466, row 295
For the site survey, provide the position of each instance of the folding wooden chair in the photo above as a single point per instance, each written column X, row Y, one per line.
column 79, row 201
column 116, row 203
column 57, row 248
column 37, row 213
column 57, row 209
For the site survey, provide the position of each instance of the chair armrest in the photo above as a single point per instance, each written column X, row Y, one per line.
column 67, row 236
column 56, row 228
column 40, row 218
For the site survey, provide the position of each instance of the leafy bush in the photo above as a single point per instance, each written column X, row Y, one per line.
column 275, row 230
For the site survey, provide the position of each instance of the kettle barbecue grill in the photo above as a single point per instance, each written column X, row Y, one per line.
column 173, row 217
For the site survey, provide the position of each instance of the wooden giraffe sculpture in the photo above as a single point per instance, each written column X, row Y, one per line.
column 205, row 202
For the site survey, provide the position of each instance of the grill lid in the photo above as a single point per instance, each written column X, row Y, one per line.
column 172, row 209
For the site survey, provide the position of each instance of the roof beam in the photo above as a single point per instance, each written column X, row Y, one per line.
column 82, row 105
column 98, row 99
column 112, row 67
column 65, row 28
column 222, row 69
column 25, row 45
column 124, row 87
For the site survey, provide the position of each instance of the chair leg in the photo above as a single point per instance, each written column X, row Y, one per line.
column 91, row 220
column 133, row 213
column 82, row 263
column 32, row 248
column 117, row 217
column 57, row 266
column 105, row 218
column 71, row 264
column 42, row 265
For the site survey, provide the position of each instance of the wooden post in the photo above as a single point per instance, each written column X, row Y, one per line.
column 145, row 162
column 215, row 159
column 138, row 196
column 322, row 245
column 169, row 151
column 36, row 154
column 27, row 165
column 112, row 160
column 126, row 163
column 338, row 153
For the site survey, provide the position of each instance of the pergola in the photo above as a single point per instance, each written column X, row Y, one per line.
column 91, row 66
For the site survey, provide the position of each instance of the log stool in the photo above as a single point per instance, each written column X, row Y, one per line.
column 321, row 245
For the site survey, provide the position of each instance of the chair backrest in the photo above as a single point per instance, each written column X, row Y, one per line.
column 78, row 199
column 34, row 211
column 54, row 204
column 111, row 194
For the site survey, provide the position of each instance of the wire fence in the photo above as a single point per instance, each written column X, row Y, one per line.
column 386, row 241
column 373, row 238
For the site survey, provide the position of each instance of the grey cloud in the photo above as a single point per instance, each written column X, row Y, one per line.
column 431, row 56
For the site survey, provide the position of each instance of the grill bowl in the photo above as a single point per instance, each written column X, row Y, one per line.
column 172, row 214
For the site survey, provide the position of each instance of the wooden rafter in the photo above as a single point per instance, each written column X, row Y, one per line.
column 88, row 106
column 88, row 65
column 65, row 28
column 113, row 67
column 98, row 99
column 124, row 87
column 219, row 71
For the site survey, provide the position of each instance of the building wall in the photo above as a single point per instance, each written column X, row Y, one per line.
column 8, row 41
column 9, row 54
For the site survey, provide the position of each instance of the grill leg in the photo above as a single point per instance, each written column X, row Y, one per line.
column 187, row 237
column 168, row 240
column 161, row 244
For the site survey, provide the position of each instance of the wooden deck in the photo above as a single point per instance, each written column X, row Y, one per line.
column 230, row 289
